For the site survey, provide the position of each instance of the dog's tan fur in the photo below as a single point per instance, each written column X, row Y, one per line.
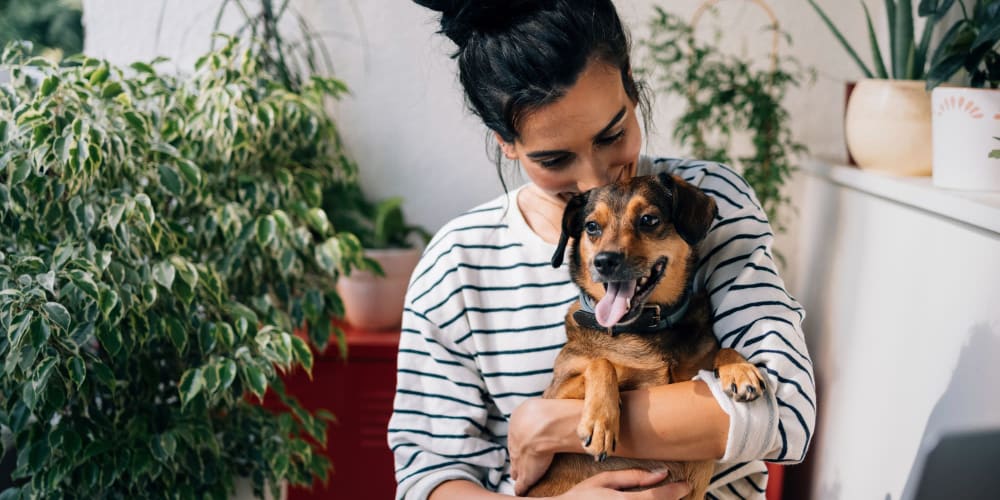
column 595, row 366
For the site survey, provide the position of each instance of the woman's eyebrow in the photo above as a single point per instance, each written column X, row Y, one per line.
column 534, row 155
column 611, row 124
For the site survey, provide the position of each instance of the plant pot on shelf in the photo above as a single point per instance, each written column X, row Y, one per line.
column 888, row 126
column 966, row 125
column 374, row 302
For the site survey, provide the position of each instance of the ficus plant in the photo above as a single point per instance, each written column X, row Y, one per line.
column 162, row 240
column 725, row 95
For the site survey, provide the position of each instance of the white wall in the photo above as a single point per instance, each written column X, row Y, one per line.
column 904, row 332
column 406, row 123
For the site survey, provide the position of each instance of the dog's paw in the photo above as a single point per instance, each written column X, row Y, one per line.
column 598, row 429
column 741, row 381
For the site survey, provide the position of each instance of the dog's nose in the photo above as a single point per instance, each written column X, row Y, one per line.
column 607, row 262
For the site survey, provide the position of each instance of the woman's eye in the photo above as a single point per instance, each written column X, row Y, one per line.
column 604, row 141
column 592, row 228
column 649, row 221
column 554, row 162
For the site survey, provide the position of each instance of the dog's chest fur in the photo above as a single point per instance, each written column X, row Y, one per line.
column 672, row 355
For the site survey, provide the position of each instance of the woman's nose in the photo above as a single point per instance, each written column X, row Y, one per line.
column 594, row 175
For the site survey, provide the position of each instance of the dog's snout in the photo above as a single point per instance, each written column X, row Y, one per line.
column 608, row 262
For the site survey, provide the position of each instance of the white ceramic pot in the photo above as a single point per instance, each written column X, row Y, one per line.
column 888, row 126
column 376, row 302
column 966, row 124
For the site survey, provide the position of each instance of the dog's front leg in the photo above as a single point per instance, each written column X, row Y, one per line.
column 601, row 419
column 740, row 379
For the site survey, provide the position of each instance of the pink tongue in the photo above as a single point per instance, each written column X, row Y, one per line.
column 614, row 305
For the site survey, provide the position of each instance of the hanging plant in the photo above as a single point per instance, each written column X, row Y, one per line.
column 725, row 95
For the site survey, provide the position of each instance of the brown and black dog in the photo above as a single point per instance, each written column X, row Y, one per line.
column 637, row 322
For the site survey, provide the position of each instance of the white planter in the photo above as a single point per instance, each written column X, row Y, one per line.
column 888, row 126
column 966, row 120
column 376, row 302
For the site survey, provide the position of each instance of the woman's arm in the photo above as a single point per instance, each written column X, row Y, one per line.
column 604, row 485
column 681, row 421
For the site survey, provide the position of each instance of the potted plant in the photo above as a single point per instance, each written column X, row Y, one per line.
column 966, row 117
column 725, row 95
column 887, row 125
column 160, row 240
column 373, row 294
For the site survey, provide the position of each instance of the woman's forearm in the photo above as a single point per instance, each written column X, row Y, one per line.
column 680, row 421
column 462, row 489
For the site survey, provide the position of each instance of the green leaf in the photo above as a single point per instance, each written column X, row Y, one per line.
column 266, row 230
column 191, row 172
column 303, row 354
column 145, row 206
column 255, row 380
column 212, row 379
column 163, row 273
column 328, row 255
column 109, row 299
column 49, row 85
column 190, row 385
column 111, row 90
column 21, row 172
column 77, row 370
column 880, row 70
column 47, row 281
column 58, row 314
column 177, row 333
column 170, row 180
column 317, row 219
column 98, row 76
column 840, row 38
column 111, row 339
column 164, row 447
column 227, row 373
column 186, row 270
column 136, row 121
column 995, row 153
column 104, row 375
column 114, row 215
column 85, row 282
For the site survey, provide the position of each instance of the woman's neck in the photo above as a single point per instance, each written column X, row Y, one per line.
column 542, row 211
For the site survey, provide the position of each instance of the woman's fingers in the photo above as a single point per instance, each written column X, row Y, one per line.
column 669, row 491
column 625, row 479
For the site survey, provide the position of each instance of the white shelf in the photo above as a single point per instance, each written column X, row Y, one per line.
column 977, row 208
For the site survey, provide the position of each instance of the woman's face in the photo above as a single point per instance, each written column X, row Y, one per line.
column 588, row 138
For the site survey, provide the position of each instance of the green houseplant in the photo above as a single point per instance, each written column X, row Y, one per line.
column 160, row 240
column 965, row 114
column 725, row 94
column 373, row 298
column 888, row 119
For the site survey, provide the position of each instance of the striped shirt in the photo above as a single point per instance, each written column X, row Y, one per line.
column 484, row 321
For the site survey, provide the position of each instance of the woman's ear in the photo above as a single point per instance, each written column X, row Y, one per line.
column 506, row 147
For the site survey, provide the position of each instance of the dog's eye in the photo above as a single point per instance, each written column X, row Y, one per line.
column 592, row 228
column 649, row 221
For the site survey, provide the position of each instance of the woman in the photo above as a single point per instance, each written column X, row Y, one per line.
column 484, row 316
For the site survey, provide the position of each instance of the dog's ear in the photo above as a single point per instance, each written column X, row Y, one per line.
column 572, row 225
column 692, row 210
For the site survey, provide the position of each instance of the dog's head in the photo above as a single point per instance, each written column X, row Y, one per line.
column 633, row 243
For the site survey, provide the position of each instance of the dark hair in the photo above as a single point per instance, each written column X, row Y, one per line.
column 516, row 56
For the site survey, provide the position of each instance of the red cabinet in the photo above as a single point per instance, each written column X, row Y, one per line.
column 359, row 392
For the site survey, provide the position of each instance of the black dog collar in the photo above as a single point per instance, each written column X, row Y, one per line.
column 653, row 318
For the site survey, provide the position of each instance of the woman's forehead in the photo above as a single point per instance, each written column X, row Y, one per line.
column 583, row 112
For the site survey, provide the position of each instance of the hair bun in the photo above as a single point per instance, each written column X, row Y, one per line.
column 461, row 18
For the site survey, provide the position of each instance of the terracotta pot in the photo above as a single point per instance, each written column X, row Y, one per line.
column 965, row 124
column 376, row 302
column 888, row 126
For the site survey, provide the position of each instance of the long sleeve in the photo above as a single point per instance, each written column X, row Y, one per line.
column 754, row 314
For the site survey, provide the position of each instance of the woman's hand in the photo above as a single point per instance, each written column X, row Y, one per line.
column 610, row 485
column 538, row 429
